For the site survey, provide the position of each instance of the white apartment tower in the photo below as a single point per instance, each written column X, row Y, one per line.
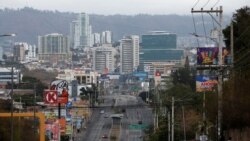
column 53, row 48
column 106, row 37
column 129, row 54
column 103, row 58
column 96, row 39
column 80, row 32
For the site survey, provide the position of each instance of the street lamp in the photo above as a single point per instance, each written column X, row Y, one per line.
column 12, row 71
column 4, row 35
column 201, row 36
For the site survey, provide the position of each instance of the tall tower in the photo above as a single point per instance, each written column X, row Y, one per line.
column 103, row 58
column 129, row 54
column 83, row 20
column 106, row 37
column 53, row 48
column 80, row 32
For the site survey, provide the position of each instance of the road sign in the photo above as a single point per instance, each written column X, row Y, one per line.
column 138, row 126
column 69, row 105
column 50, row 96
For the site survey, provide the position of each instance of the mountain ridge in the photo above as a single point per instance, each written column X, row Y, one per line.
column 29, row 23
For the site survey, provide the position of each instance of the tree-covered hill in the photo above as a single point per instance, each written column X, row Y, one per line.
column 28, row 23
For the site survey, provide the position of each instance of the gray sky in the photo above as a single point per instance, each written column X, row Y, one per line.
column 127, row 7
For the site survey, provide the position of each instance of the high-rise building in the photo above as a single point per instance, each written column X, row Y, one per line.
column 106, row 37
column 31, row 53
column 74, row 34
column 1, row 53
column 129, row 54
column 96, row 38
column 23, row 52
column 80, row 32
column 53, row 48
column 19, row 51
column 159, row 46
column 104, row 58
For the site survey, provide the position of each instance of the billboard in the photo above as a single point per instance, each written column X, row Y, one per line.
column 206, row 83
column 61, row 86
column 210, row 56
column 50, row 96
column 52, row 131
column 226, row 56
column 207, row 56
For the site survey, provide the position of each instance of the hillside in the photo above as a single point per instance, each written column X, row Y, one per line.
column 28, row 23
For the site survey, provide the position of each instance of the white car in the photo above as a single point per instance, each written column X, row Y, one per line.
column 102, row 112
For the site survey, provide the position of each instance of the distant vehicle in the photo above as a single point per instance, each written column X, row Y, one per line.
column 78, row 127
column 102, row 112
column 123, row 110
column 139, row 122
column 106, row 115
column 105, row 136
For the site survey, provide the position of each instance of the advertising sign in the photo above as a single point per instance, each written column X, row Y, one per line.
column 157, row 73
column 52, row 131
column 207, row 56
column 206, row 83
column 226, row 56
column 210, row 55
column 50, row 118
column 147, row 68
column 61, row 86
column 69, row 130
column 50, row 96
column 62, row 122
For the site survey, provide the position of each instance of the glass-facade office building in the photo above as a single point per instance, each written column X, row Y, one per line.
column 160, row 46
column 159, row 40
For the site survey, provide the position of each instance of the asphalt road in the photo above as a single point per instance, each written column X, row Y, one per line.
column 101, row 124
column 138, row 112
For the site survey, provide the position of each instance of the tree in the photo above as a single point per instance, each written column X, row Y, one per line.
column 236, row 90
column 241, row 27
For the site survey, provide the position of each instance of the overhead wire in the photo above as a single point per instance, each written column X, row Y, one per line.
column 195, row 4
column 204, row 28
column 195, row 30
column 206, row 3
column 212, row 21
column 216, row 3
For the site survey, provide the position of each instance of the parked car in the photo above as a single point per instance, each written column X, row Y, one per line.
column 105, row 136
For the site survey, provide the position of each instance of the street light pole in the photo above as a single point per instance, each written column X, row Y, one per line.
column 12, row 71
column 5, row 35
column 11, row 94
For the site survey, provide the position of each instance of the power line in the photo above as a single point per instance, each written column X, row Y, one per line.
column 195, row 30
column 206, row 4
column 204, row 28
column 195, row 4
column 216, row 3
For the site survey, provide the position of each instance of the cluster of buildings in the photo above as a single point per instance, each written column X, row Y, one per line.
column 154, row 52
column 84, row 58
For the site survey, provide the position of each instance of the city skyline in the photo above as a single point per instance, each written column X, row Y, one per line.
column 111, row 7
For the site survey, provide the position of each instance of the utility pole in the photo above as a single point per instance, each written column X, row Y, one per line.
column 184, row 123
column 220, row 81
column 12, row 87
column 34, row 108
column 169, row 126
column 232, row 42
column 219, row 67
column 204, row 113
column 172, row 119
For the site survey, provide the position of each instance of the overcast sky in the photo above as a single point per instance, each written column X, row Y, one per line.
column 127, row 7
